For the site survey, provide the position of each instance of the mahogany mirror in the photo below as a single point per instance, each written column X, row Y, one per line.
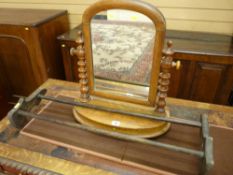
column 123, row 50
column 120, row 54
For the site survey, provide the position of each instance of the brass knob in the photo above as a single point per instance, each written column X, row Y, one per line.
column 176, row 64
column 72, row 51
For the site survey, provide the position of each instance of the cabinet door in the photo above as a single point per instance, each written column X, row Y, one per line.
column 15, row 66
column 4, row 95
column 226, row 87
column 206, row 81
column 69, row 62
column 202, row 81
column 181, row 80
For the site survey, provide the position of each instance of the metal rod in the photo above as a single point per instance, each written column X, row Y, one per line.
column 208, row 158
column 205, row 125
column 152, row 117
column 114, row 134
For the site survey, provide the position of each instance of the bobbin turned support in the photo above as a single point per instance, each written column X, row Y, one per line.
column 164, row 77
column 82, row 71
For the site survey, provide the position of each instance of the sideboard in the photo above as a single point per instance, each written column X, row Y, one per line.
column 206, row 65
column 29, row 53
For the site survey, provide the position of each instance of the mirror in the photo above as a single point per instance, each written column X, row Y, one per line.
column 119, row 57
column 122, row 45
column 123, row 50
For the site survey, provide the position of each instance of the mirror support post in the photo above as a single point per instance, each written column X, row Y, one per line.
column 164, row 78
column 82, row 71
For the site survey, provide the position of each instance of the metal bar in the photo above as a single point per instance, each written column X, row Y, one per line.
column 114, row 134
column 205, row 126
column 208, row 158
column 172, row 120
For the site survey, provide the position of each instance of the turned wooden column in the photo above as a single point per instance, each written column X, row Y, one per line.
column 164, row 78
column 82, row 71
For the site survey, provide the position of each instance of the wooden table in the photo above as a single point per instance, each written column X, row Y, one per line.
column 59, row 158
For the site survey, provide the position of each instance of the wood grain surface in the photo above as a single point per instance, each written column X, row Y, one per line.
column 220, row 118
column 134, row 154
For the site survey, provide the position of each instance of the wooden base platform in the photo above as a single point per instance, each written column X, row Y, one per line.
column 126, row 124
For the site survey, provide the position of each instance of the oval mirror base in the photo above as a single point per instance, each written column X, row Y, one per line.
column 124, row 124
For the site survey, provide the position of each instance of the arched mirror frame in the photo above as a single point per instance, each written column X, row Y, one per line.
column 160, row 26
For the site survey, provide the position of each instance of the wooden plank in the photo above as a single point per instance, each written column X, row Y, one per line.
column 189, row 14
column 188, row 25
column 40, row 160
column 67, row 2
column 209, row 76
column 79, row 9
column 223, row 141
column 207, row 16
column 74, row 137
column 202, row 26
column 198, row 14
column 207, row 4
column 169, row 13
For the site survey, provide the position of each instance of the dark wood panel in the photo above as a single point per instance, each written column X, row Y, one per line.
column 224, row 90
column 31, row 39
column 28, row 17
column 70, row 62
column 206, row 80
column 40, row 39
column 180, row 85
column 16, row 74
column 4, row 96
column 30, row 54
column 52, row 56
column 16, row 65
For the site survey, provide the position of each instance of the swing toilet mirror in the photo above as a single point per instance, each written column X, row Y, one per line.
column 123, row 53
column 119, row 56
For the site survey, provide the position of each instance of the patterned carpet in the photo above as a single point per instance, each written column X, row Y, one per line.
column 122, row 51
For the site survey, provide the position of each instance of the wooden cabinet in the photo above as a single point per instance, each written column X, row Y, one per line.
column 206, row 73
column 29, row 53
column 202, row 81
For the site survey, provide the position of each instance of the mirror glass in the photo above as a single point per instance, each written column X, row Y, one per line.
column 122, row 51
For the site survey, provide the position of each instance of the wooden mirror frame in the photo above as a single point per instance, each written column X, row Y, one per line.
column 160, row 26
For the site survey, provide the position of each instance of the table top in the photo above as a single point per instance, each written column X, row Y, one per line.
column 41, row 154
column 28, row 17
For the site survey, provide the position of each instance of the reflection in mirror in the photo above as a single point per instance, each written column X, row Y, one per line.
column 122, row 46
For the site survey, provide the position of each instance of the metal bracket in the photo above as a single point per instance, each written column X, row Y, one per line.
column 24, row 104
column 208, row 160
